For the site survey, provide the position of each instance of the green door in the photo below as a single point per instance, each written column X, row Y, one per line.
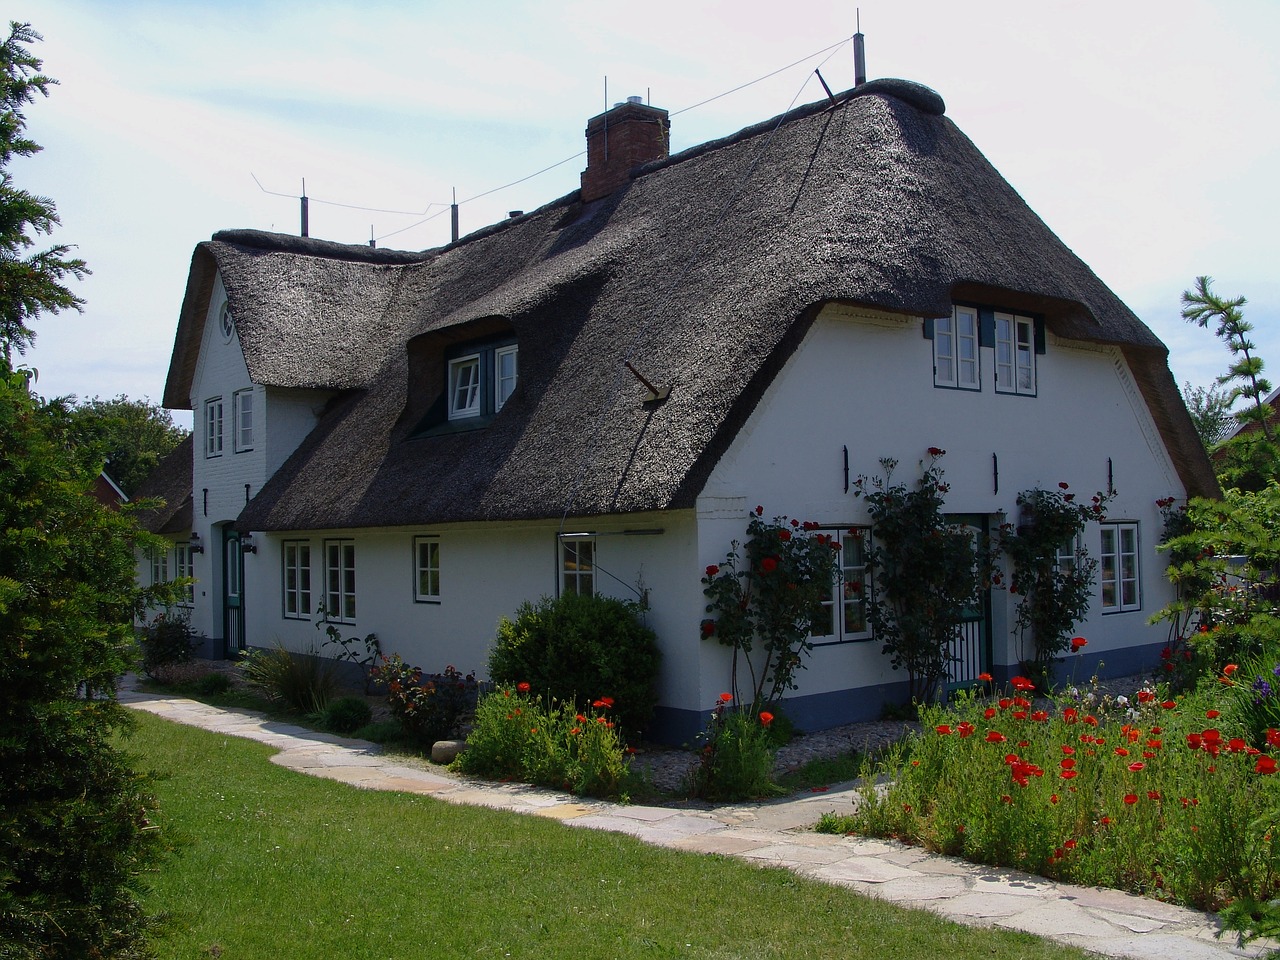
column 232, row 594
column 970, row 652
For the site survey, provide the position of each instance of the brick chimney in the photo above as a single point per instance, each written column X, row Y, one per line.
column 618, row 141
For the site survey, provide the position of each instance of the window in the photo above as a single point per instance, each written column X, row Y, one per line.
column 213, row 427
column 481, row 379
column 159, row 566
column 504, row 379
column 340, row 580
column 242, row 404
column 464, row 387
column 844, row 615
column 955, row 350
column 1118, row 562
column 1068, row 553
column 578, row 565
column 426, row 562
column 296, row 558
column 184, row 568
column 1015, row 354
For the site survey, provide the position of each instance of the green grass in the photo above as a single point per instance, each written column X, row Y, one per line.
column 276, row 864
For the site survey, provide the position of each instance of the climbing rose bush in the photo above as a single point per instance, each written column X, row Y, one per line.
column 762, row 598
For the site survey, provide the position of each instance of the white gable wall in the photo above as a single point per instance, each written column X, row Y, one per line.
column 864, row 381
column 222, row 485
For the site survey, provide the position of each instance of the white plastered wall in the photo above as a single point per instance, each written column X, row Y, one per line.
column 862, row 380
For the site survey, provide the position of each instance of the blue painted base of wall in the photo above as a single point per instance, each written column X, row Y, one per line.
column 825, row 710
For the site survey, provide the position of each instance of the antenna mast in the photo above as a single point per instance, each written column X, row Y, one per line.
column 859, row 55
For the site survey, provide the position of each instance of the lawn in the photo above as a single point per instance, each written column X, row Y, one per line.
column 270, row 863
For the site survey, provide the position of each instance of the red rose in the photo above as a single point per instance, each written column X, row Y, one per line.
column 768, row 565
column 712, row 571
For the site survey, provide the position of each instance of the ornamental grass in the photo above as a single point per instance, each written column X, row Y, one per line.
column 1159, row 796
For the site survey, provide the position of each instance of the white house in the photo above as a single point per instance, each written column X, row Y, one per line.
column 420, row 441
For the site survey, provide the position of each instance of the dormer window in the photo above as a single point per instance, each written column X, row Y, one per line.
column 481, row 378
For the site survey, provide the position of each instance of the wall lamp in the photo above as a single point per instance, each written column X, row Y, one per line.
column 247, row 545
column 196, row 545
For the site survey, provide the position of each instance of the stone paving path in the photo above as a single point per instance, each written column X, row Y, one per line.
column 776, row 833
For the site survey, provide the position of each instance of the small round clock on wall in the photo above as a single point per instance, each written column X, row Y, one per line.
column 226, row 321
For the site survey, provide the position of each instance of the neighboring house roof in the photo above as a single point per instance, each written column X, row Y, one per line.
column 705, row 271
column 169, row 482
column 107, row 492
column 1251, row 426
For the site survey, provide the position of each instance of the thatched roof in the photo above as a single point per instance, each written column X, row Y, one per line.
column 705, row 271
column 170, row 483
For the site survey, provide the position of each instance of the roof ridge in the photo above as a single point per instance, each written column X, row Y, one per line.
column 270, row 242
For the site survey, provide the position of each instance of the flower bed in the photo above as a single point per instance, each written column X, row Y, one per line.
column 1152, row 794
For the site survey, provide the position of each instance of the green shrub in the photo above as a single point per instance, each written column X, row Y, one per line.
column 212, row 684
column 737, row 758
column 304, row 682
column 547, row 742
column 579, row 647
column 166, row 640
column 428, row 707
column 346, row 715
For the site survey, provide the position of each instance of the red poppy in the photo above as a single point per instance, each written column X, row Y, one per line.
column 989, row 712
column 1070, row 715
column 1068, row 774
column 1077, row 643
column 1136, row 766
column 1068, row 749
column 1070, row 844
column 766, row 718
column 1105, row 821
column 1211, row 714
column 1022, row 684
column 1130, row 798
column 1169, row 704
column 522, row 686
column 1121, row 752
column 943, row 729
column 995, row 736
column 1229, row 669
column 580, row 718
column 1145, row 696
column 1067, row 763
column 1153, row 795
column 1266, row 765
column 1040, row 716
column 604, row 703
column 965, row 729
column 574, row 732
column 1005, row 798
column 1235, row 745
column 984, row 677
column 726, row 698
column 712, row 570
column 1273, row 737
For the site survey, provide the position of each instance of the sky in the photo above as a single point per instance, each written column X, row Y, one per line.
column 1145, row 133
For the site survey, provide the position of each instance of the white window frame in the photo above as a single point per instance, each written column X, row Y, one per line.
column 213, row 427
column 471, row 406
column 1119, row 570
column 295, row 579
column 242, row 420
column 956, row 358
column 850, row 589
column 1015, row 354
column 1068, row 554
column 426, row 569
column 340, row 580
column 159, row 566
column 184, row 567
column 504, row 386
column 575, row 575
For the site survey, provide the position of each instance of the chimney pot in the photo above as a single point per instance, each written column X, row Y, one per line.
column 619, row 140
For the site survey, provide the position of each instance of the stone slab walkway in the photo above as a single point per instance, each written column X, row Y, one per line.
column 776, row 833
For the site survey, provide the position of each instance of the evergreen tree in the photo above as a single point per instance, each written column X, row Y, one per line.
column 74, row 831
column 30, row 282
column 1250, row 459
